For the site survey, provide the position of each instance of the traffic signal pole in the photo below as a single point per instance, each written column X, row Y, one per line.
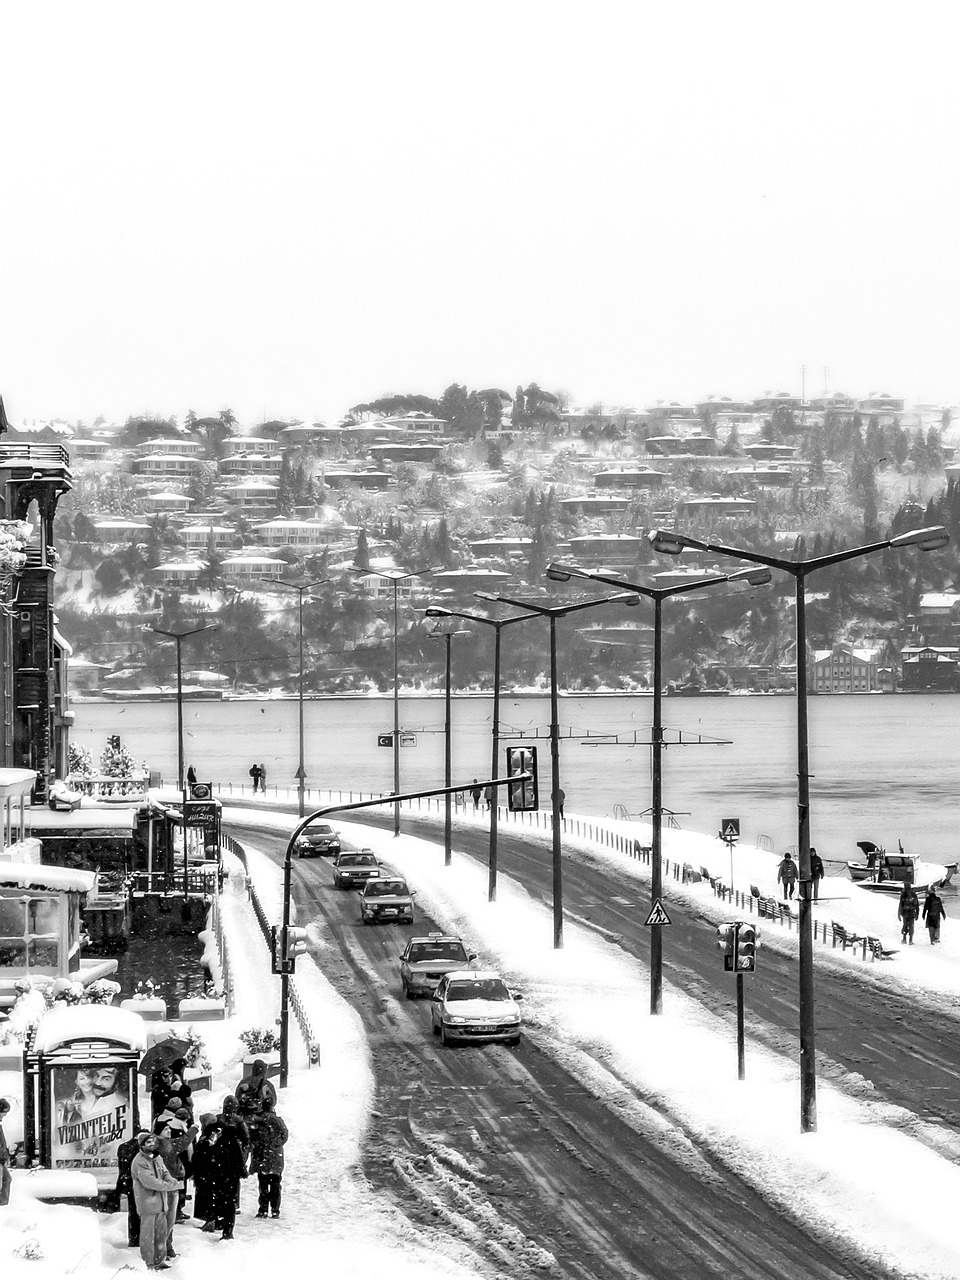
column 741, row 1066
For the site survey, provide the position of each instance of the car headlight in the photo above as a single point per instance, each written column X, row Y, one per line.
column 455, row 1018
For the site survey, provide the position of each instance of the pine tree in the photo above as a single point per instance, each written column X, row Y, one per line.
column 361, row 557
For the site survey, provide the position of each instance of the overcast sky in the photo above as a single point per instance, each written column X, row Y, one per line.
column 288, row 208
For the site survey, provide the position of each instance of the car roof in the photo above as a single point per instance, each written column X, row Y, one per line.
column 437, row 937
column 471, row 974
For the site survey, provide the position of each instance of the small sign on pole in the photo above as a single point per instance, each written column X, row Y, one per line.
column 657, row 914
column 730, row 829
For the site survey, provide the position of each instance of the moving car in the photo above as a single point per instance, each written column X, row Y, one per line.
column 424, row 961
column 319, row 837
column 352, row 870
column 386, row 899
column 475, row 1005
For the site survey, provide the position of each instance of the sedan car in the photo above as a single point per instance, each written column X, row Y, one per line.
column 475, row 1005
column 386, row 899
column 319, row 837
column 352, row 870
column 424, row 961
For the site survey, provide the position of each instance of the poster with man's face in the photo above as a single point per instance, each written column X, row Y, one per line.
column 91, row 1116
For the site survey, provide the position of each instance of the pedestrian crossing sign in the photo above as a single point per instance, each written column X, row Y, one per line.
column 730, row 829
column 657, row 914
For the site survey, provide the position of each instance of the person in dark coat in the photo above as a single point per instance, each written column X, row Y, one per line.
column 908, row 910
column 252, row 1090
column 933, row 913
column 787, row 876
column 161, row 1087
column 226, row 1167
column 477, row 792
column 254, row 772
column 174, row 1138
column 202, row 1167
column 268, row 1137
column 816, row 872
column 126, row 1152
column 191, row 775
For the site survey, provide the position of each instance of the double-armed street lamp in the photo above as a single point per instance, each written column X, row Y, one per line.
column 395, row 577
column 301, row 588
column 563, row 573
column 179, row 637
column 672, row 543
column 552, row 612
column 447, row 637
column 437, row 611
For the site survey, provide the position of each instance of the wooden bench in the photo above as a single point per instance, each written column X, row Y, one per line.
column 846, row 937
column 878, row 951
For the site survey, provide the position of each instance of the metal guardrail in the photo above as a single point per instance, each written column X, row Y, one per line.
column 196, row 883
column 14, row 450
column 303, row 1022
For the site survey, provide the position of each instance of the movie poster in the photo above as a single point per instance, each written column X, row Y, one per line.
column 91, row 1115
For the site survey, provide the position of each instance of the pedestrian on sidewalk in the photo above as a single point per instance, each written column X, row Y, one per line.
column 263, row 778
column 153, row 1187
column 477, row 792
column 126, row 1154
column 252, row 1092
column 787, row 876
column 908, row 909
column 816, row 872
column 933, row 913
column 203, row 1206
column 227, row 1168
column 268, row 1135
column 488, row 797
column 6, row 1181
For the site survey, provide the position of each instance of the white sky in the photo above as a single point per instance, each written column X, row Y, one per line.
column 294, row 207
column 897, row 1200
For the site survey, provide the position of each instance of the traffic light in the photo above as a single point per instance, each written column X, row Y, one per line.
column 726, row 941
column 522, row 796
column 295, row 943
column 746, row 948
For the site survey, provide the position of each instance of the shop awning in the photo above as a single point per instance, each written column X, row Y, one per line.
column 117, row 819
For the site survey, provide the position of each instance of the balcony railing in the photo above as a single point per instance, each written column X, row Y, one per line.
column 37, row 454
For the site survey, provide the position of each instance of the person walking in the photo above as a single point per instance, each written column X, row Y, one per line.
column 561, row 796
column 203, row 1174
column 191, row 775
column 934, row 912
column 255, row 1088
column 787, row 876
column 254, row 772
column 268, row 1137
column 153, row 1187
column 908, row 909
column 227, row 1166
column 6, row 1181
column 816, row 872
column 477, row 792
column 263, row 778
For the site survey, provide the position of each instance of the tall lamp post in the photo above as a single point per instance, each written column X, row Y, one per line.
column 395, row 577
column 179, row 637
column 563, row 573
column 301, row 588
column 673, row 543
column 447, row 637
column 436, row 611
column 552, row 613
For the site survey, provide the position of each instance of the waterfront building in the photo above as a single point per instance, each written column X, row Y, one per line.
column 931, row 669
column 844, row 669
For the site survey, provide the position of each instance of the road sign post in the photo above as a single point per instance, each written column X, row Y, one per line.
column 730, row 834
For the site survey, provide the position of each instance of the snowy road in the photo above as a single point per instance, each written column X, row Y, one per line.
column 517, row 1155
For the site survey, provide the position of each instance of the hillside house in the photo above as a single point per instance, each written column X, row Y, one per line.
column 844, row 669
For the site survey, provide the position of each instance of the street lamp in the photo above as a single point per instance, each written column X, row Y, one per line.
column 672, row 543
column 395, row 577
column 436, row 611
column 552, row 613
column 563, row 573
column 301, row 588
column 447, row 636
column 179, row 637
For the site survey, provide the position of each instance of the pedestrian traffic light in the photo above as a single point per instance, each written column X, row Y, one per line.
column 726, row 941
column 295, row 943
column 746, row 948
column 522, row 797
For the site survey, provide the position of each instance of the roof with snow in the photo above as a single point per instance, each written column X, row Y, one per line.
column 33, row 875
column 89, row 1022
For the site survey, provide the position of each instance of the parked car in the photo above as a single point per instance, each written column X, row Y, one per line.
column 386, row 899
column 475, row 1005
column 352, row 869
column 424, row 961
column 319, row 837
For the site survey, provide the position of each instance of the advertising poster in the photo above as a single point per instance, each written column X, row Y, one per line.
column 92, row 1116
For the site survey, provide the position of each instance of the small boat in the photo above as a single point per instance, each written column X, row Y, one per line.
column 883, row 872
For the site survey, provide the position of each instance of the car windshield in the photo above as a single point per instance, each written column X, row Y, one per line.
column 356, row 860
column 478, row 989
column 438, row 951
column 382, row 888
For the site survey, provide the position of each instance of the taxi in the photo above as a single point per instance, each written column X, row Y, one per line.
column 424, row 961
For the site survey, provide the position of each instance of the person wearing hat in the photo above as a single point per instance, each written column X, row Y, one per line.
column 268, row 1136
column 227, row 1166
column 202, row 1171
column 251, row 1091
column 153, row 1187
column 175, row 1138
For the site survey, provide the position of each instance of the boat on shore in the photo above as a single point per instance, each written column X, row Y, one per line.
column 883, row 872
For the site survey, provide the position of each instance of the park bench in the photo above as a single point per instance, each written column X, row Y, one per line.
column 846, row 937
column 878, row 951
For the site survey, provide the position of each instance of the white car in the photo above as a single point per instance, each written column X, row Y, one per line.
column 424, row 961
column 475, row 1005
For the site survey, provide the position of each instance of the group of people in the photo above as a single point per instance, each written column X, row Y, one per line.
column 788, row 873
column 246, row 1136
column 909, row 911
column 258, row 772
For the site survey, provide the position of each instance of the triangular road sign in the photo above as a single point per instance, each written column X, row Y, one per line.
column 730, row 829
column 657, row 914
